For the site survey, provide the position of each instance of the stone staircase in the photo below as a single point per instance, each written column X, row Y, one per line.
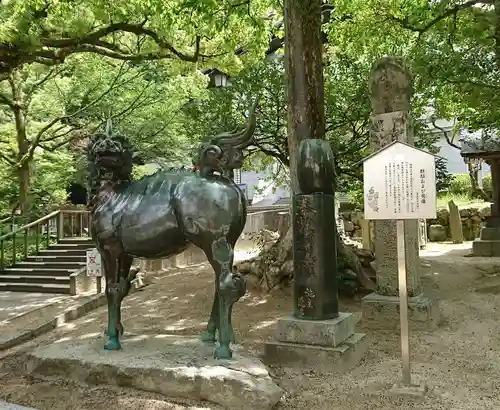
column 49, row 271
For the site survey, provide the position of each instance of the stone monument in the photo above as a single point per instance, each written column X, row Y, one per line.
column 317, row 335
column 488, row 243
column 391, row 90
column 456, row 230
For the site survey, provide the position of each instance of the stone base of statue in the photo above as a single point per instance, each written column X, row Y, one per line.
column 488, row 243
column 325, row 346
column 382, row 312
column 176, row 366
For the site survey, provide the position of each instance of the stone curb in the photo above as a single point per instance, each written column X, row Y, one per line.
column 68, row 315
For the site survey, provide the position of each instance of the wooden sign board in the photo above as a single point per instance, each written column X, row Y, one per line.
column 400, row 183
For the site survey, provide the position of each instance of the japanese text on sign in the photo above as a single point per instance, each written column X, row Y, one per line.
column 399, row 183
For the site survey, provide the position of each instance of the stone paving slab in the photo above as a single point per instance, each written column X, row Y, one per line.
column 33, row 323
column 17, row 303
column 10, row 406
column 176, row 366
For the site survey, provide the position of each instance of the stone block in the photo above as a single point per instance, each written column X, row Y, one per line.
column 382, row 312
column 330, row 332
column 483, row 248
column 386, row 262
column 80, row 283
column 11, row 406
column 413, row 391
column 437, row 233
column 175, row 366
column 489, row 234
column 320, row 359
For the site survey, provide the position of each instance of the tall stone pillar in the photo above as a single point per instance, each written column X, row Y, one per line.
column 391, row 91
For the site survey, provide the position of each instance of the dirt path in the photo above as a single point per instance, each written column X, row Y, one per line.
column 459, row 361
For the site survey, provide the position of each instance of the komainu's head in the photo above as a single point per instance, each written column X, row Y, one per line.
column 109, row 158
column 109, row 150
column 224, row 152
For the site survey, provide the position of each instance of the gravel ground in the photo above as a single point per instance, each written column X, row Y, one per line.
column 459, row 361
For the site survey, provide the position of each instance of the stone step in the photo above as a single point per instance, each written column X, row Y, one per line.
column 58, row 258
column 75, row 245
column 82, row 240
column 63, row 252
column 34, row 279
column 54, row 264
column 35, row 287
column 37, row 272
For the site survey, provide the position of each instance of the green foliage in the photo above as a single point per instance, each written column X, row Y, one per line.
column 24, row 246
column 460, row 184
column 51, row 174
column 140, row 171
column 348, row 122
column 449, row 45
column 136, row 30
column 459, row 199
column 443, row 177
column 487, row 185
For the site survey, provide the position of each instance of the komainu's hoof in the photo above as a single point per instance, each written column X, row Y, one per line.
column 113, row 344
column 223, row 353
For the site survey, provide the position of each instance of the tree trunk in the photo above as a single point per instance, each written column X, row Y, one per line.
column 274, row 266
column 23, row 145
column 476, row 190
column 306, row 119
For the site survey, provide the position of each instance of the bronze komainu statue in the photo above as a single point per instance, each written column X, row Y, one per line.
column 159, row 215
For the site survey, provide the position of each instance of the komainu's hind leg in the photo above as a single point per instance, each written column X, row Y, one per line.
column 213, row 322
column 229, row 290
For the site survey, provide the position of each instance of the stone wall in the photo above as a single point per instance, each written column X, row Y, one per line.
column 352, row 223
column 473, row 218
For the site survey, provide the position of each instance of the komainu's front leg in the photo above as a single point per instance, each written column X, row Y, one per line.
column 232, row 288
column 112, row 291
column 213, row 322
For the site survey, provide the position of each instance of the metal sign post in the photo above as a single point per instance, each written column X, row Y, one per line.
column 406, row 190
column 403, row 302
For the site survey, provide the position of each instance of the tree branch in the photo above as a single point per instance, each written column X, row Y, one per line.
column 8, row 160
column 446, row 135
column 49, row 76
column 405, row 22
column 53, row 51
column 34, row 143
column 6, row 100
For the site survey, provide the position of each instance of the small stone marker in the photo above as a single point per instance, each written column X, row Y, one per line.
column 400, row 184
column 94, row 268
column 93, row 263
column 456, row 230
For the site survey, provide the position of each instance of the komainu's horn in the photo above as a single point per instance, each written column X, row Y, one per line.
column 109, row 128
column 240, row 138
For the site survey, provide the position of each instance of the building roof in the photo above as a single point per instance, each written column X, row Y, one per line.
column 392, row 144
column 480, row 148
